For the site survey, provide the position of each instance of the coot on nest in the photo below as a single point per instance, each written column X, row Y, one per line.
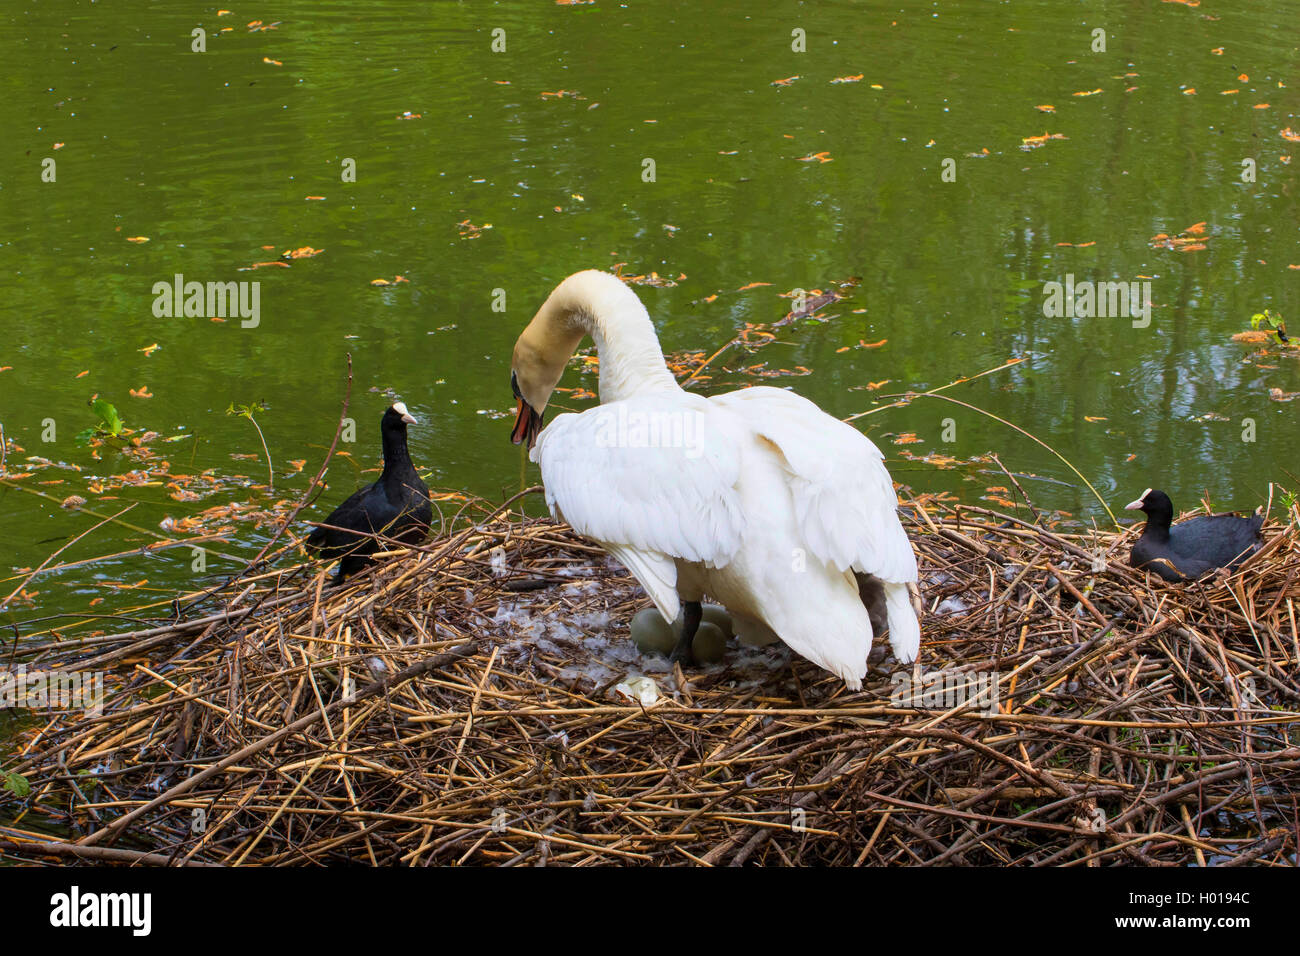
column 396, row 506
column 1193, row 547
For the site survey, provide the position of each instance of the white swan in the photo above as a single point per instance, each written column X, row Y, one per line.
column 758, row 498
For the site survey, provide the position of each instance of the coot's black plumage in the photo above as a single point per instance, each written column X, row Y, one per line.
column 396, row 506
column 1195, row 546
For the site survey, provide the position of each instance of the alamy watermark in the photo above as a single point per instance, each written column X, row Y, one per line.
column 1098, row 300
column 199, row 300
column 619, row 427
column 53, row 690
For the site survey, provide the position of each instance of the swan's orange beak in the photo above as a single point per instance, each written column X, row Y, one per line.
column 527, row 424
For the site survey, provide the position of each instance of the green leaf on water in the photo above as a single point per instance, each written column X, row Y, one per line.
column 17, row 784
column 110, row 420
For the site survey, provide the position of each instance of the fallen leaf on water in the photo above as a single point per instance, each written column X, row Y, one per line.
column 73, row 501
column 1280, row 396
column 752, row 285
column 408, row 115
column 1094, row 418
column 267, row 59
column 1191, row 90
column 1189, row 240
column 1046, row 108
column 1243, row 77
column 1033, row 142
column 83, row 374
column 847, row 79
column 298, row 463
column 314, row 198
column 871, row 345
column 137, row 238
column 906, row 438
column 1290, row 134
column 150, row 349
column 786, row 82
column 303, row 252
column 1260, row 106
column 141, row 392
column 1217, row 51
column 822, row 157
column 1087, row 92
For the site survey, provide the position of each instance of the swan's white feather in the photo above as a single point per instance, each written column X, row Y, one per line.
column 676, row 500
column 844, row 499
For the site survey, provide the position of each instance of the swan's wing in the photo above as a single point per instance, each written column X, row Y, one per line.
column 651, row 478
column 843, row 497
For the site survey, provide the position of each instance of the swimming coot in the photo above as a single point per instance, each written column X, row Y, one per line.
column 1194, row 547
column 396, row 506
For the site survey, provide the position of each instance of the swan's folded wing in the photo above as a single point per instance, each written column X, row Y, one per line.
column 843, row 497
column 650, row 480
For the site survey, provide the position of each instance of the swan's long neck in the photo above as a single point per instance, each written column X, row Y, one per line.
column 631, row 361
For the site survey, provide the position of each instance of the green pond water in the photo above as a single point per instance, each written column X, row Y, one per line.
column 495, row 182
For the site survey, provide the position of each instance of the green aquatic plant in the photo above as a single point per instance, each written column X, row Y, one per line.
column 1270, row 320
column 16, row 784
column 110, row 423
column 250, row 412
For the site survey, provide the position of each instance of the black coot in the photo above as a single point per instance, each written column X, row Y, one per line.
column 1194, row 547
column 395, row 506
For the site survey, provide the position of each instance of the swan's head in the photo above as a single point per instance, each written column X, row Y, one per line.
column 542, row 351
column 528, row 420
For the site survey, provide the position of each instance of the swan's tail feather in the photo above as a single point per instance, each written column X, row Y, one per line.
column 904, row 623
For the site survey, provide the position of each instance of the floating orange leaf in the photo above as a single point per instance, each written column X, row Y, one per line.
column 1033, row 142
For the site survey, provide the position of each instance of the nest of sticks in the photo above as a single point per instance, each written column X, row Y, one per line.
column 473, row 701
